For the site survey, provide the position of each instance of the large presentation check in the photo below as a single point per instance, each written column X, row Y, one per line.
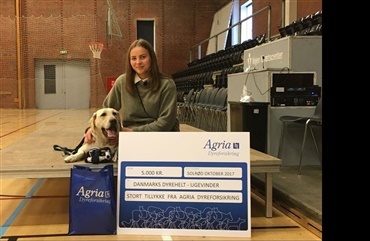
column 184, row 183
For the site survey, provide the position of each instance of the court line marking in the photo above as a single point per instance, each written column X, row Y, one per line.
column 34, row 123
column 16, row 212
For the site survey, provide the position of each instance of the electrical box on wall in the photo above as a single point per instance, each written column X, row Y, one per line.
column 110, row 83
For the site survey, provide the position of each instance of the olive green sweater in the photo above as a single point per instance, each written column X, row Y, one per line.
column 160, row 112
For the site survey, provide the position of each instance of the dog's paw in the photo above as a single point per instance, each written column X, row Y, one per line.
column 69, row 159
column 115, row 157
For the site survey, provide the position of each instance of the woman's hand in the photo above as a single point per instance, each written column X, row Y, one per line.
column 126, row 129
column 88, row 137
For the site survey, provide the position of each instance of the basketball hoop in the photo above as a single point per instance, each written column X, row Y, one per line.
column 96, row 48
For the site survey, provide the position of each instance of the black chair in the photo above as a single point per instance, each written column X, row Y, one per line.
column 202, row 104
column 218, row 110
column 183, row 108
column 206, row 115
column 315, row 120
column 192, row 117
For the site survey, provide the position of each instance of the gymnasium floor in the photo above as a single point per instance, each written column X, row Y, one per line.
column 37, row 208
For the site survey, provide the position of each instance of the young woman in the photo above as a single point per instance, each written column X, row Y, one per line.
column 145, row 97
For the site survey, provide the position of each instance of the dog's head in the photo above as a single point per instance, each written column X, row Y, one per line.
column 105, row 123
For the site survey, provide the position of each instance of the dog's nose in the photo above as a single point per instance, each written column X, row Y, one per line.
column 113, row 122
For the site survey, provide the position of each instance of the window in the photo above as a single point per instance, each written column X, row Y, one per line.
column 49, row 79
column 145, row 30
column 247, row 26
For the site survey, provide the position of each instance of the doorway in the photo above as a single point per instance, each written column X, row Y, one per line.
column 62, row 84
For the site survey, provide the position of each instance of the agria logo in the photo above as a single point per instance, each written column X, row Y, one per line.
column 224, row 145
column 92, row 193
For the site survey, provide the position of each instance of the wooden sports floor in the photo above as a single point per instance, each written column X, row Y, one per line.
column 37, row 208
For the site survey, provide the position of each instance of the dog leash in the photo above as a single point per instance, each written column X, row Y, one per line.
column 95, row 155
column 67, row 151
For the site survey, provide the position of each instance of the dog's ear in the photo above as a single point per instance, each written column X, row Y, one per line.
column 92, row 121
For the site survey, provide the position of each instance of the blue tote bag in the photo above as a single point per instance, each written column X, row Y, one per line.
column 92, row 203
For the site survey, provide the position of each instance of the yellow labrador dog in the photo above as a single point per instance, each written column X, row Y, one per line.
column 105, row 125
